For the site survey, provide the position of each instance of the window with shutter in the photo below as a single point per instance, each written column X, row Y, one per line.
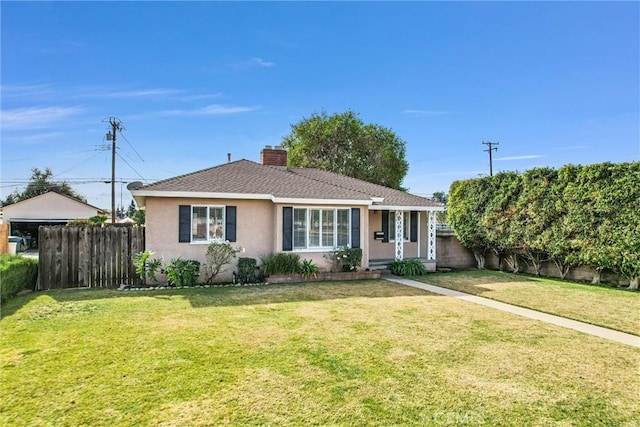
column 206, row 224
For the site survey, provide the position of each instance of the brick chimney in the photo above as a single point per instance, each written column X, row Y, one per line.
column 276, row 156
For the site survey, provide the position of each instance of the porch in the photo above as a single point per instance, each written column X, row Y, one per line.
column 398, row 233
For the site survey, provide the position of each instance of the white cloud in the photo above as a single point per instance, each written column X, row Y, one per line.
column 142, row 93
column 262, row 63
column 528, row 156
column 36, row 138
column 430, row 113
column 210, row 110
column 198, row 97
column 35, row 117
column 248, row 64
column 571, row 147
column 25, row 91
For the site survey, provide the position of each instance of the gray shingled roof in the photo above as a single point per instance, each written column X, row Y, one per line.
column 247, row 177
column 391, row 196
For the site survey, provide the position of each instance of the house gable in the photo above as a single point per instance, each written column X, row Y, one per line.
column 49, row 206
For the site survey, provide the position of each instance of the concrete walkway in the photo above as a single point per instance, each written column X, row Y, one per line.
column 587, row 328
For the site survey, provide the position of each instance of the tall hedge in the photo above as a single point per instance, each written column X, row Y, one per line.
column 575, row 215
column 16, row 274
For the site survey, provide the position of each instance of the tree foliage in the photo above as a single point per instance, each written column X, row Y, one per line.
column 342, row 143
column 465, row 206
column 576, row 215
column 40, row 183
column 441, row 196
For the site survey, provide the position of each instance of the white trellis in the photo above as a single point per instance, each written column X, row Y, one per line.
column 431, row 236
column 399, row 235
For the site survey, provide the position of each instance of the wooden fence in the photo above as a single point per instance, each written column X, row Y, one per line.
column 4, row 239
column 85, row 256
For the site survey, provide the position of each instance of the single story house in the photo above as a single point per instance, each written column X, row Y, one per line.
column 268, row 207
column 51, row 208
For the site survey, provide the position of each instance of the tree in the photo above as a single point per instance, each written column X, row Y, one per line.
column 40, row 183
column 466, row 204
column 139, row 217
column 441, row 196
column 536, row 214
column 504, row 234
column 342, row 143
column 131, row 210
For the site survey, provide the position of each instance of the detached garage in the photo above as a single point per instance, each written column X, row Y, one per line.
column 24, row 218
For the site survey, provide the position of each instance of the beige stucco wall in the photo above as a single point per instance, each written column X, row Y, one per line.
column 258, row 231
column 380, row 250
column 254, row 230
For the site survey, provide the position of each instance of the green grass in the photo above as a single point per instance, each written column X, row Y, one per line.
column 353, row 353
column 617, row 309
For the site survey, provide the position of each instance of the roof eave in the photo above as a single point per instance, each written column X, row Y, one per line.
column 406, row 208
column 141, row 195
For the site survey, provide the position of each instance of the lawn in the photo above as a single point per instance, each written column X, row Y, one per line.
column 617, row 309
column 353, row 353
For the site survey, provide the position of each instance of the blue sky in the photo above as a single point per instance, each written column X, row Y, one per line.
column 554, row 83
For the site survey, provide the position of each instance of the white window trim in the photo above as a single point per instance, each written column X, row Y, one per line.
column 407, row 229
column 209, row 240
column 335, row 210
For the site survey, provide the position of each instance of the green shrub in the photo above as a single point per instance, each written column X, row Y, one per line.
column 407, row 267
column 181, row 272
column 219, row 254
column 280, row 263
column 308, row 269
column 345, row 258
column 94, row 220
column 246, row 270
column 16, row 274
column 145, row 267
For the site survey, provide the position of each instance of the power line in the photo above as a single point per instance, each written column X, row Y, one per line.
column 133, row 148
column 490, row 150
column 132, row 168
column 76, row 165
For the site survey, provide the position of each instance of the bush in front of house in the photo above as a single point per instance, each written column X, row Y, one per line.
column 308, row 269
column 218, row 255
column 182, row 272
column 407, row 267
column 345, row 258
column 147, row 267
column 280, row 263
column 246, row 270
column 18, row 273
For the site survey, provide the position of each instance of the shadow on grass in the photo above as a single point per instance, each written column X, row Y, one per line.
column 475, row 281
column 234, row 295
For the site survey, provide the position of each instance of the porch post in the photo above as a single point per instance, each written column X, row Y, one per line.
column 399, row 235
column 431, row 236
column 419, row 217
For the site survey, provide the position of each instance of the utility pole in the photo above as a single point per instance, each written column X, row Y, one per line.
column 116, row 126
column 489, row 150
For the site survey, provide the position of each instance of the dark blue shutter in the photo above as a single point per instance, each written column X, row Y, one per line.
column 230, row 223
column 184, row 223
column 355, row 227
column 287, row 229
column 413, row 225
column 385, row 226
